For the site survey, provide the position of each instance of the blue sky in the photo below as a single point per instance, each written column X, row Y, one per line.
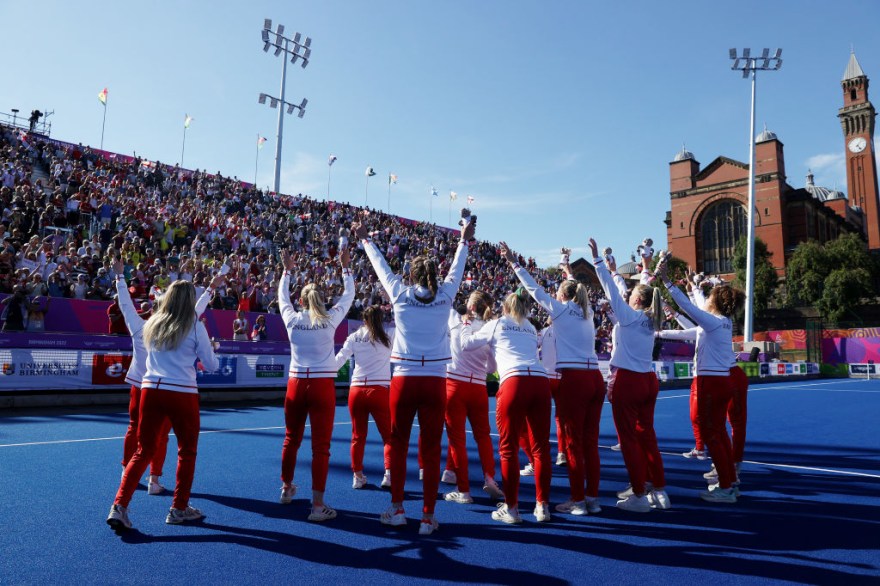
column 559, row 118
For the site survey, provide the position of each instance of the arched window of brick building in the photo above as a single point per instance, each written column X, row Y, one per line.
column 721, row 226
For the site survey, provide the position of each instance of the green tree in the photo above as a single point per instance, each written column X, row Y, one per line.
column 765, row 275
column 834, row 278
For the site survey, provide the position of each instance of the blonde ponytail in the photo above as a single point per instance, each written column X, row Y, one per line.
column 314, row 302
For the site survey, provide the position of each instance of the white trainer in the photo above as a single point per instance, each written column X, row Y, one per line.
column 287, row 494
column 635, row 504
column 529, row 470
column 615, row 448
column 622, row 494
column 428, row 526
column 178, row 516
column 506, row 515
column 462, row 498
column 695, row 453
column 421, row 474
column 449, row 477
column 561, row 460
column 358, row 481
column 716, row 494
column 492, row 489
column 658, row 499
column 711, row 475
column 386, row 480
column 320, row 513
column 572, row 507
column 542, row 512
column 393, row 516
column 154, row 487
column 118, row 518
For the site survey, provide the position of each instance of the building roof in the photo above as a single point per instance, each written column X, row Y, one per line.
column 628, row 268
column 683, row 155
column 765, row 135
column 821, row 193
column 853, row 69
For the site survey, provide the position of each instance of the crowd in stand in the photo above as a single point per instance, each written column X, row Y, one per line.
column 58, row 236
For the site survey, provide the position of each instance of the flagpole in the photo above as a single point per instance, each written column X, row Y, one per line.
column 450, row 212
column 183, row 148
column 329, row 168
column 389, row 194
column 366, row 186
column 103, row 123
column 431, row 209
column 257, row 163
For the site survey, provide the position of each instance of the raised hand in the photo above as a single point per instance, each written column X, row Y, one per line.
column 360, row 231
column 345, row 257
column 287, row 260
column 594, row 248
column 506, row 253
column 467, row 233
column 118, row 266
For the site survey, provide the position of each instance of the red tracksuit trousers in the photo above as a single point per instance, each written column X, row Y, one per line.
column 524, row 401
column 468, row 401
column 314, row 398
column 737, row 412
column 157, row 406
column 130, row 444
column 363, row 402
column 424, row 396
column 579, row 407
column 633, row 397
column 713, row 397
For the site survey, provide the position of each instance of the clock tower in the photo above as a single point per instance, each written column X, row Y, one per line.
column 857, row 122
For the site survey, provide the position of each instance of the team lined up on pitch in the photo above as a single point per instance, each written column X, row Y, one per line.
column 441, row 358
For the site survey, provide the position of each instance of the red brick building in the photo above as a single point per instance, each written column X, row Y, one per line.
column 708, row 214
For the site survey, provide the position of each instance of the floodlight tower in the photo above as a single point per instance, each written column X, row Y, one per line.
column 751, row 65
column 297, row 48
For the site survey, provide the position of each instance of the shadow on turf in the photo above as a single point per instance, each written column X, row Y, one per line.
column 431, row 552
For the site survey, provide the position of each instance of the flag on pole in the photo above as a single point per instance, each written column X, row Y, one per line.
column 331, row 160
column 261, row 140
column 186, row 120
column 470, row 199
column 392, row 179
column 453, row 196
column 369, row 172
column 434, row 191
column 102, row 96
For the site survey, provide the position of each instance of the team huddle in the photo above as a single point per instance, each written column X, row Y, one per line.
column 441, row 356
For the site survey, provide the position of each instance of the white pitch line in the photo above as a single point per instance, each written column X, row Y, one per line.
column 104, row 439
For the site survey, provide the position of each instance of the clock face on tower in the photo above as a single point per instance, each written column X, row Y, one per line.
column 857, row 145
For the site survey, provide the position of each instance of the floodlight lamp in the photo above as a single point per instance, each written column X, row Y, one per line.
column 266, row 48
column 733, row 53
column 746, row 71
column 293, row 57
column 262, row 99
column 778, row 54
column 265, row 36
column 267, row 24
column 301, row 114
column 280, row 30
column 778, row 64
column 296, row 38
column 308, row 42
column 307, row 53
column 746, row 53
column 278, row 50
column 273, row 103
column 303, row 104
column 290, row 108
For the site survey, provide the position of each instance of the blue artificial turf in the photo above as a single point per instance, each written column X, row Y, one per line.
column 809, row 513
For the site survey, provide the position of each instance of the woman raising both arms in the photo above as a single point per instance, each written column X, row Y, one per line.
column 581, row 390
column 420, row 353
column 633, row 388
column 311, row 392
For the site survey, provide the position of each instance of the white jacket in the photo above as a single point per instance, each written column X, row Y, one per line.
column 634, row 333
column 547, row 342
column 135, row 325
column 421, row 340
column 311, row 347
column 471, row 366
column 372, row 360
column 515, row 346
column 575, row 332
column 175, row 370
column 714, row 337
